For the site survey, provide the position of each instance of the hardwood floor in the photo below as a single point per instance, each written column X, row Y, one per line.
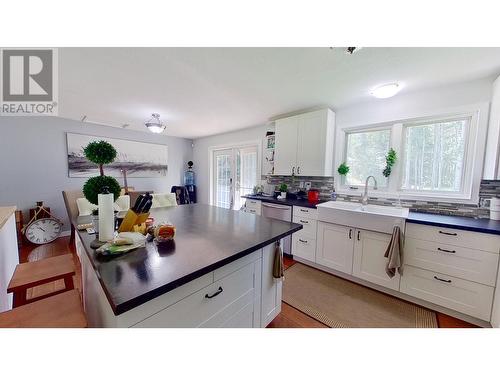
column 288, row 318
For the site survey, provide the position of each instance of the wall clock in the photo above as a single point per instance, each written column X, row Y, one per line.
column 43, row 230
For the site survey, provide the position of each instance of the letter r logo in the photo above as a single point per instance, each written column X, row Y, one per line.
column 27, row 75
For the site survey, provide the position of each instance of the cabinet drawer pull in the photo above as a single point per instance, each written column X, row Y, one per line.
column 219, row 291
column 350, row 234
column 304, row 221
column 443, row 280
column 302, row 210
column 447, row 251
column 303, row 241
column 448, row 233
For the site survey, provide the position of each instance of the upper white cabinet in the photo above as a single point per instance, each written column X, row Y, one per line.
column 304, row 144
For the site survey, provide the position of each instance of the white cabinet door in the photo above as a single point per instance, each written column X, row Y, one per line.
column 335, row 246
column 369, row 261
column 311, row 144
column 285, row 154
column 271, row 288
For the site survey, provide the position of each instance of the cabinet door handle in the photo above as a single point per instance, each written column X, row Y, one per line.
column 447, row 251
column 298, row 170
column 443, row 280
column 359, row 232
column 293, row 171
column 448, row 233
column 219, row 291
column 304, row 221
column 350, row 234
column 303, row 241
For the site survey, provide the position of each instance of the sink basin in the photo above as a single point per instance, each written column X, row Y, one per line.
column 370, row 217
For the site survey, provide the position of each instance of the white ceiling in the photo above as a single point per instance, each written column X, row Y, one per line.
column 205, row 91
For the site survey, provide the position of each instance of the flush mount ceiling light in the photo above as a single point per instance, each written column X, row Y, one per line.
column 154, row 124
column 386, row 91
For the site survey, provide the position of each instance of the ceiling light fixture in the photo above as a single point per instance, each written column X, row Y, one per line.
column 154, row 124
column 386, row 91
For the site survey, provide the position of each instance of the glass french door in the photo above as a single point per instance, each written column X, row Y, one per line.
column 234, row 174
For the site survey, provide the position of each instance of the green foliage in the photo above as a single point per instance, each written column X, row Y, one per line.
column 343, row 169
column 94, row 186
column 100, row 152
column 390, row 160
column 283, row 188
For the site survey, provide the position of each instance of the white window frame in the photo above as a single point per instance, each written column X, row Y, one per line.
column 356, row 188
column 473, row 158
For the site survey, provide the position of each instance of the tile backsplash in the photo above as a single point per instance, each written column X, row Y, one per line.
column 325, row 185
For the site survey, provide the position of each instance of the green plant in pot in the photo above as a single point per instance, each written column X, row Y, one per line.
column 283, row 188
column 100, row 153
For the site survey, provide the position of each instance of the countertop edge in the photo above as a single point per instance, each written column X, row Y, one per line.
column 139, row 300
column 437, row 220
column 5, row 213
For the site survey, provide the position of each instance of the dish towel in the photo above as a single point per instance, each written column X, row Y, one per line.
column 278, row 268
column 393, row 253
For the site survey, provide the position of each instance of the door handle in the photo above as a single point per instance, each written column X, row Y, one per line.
column 447, row 251
column 293, row 171
column 359, row 232
column 298, row 170
column 443, row 280
column 350, row 234
column 219, row 291
column 448, row 233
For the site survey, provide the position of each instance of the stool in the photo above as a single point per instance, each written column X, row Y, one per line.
column 29, row 275
column 61, row 311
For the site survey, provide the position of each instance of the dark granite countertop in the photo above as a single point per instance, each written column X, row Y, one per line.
column 287, row 202
column 207, row 238
column 457, row 222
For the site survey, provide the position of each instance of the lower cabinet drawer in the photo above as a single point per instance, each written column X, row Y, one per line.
column 462, row 262
column 303, row 247
column 457, row 294
column 216, row 305
column 255, row 211
column 309, row 226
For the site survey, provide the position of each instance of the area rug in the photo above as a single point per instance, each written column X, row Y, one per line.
column 339, row 303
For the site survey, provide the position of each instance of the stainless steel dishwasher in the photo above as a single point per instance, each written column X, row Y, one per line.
column 280, row 212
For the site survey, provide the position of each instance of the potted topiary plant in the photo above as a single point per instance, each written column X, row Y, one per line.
column 100, row 153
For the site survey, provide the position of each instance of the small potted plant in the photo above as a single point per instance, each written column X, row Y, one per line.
column 283, row 189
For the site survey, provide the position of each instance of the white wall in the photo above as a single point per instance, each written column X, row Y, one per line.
column 201, row 157
column 34, row 163
column 439, row 100
column 492, row 163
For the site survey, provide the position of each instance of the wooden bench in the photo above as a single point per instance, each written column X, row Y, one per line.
column 60, row 311
column 31, row 274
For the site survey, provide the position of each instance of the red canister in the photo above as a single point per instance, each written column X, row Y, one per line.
column 313, row 195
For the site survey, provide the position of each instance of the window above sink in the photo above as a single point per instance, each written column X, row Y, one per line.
column 439, row 157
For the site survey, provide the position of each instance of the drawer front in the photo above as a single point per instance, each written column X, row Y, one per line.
column 468, row 264
column 255, row 211
column 449, row 236
column 304, row 247
column 305, row 212
column 457, row 294
column 309, row 226
column 198, row 310
column 253, row 203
